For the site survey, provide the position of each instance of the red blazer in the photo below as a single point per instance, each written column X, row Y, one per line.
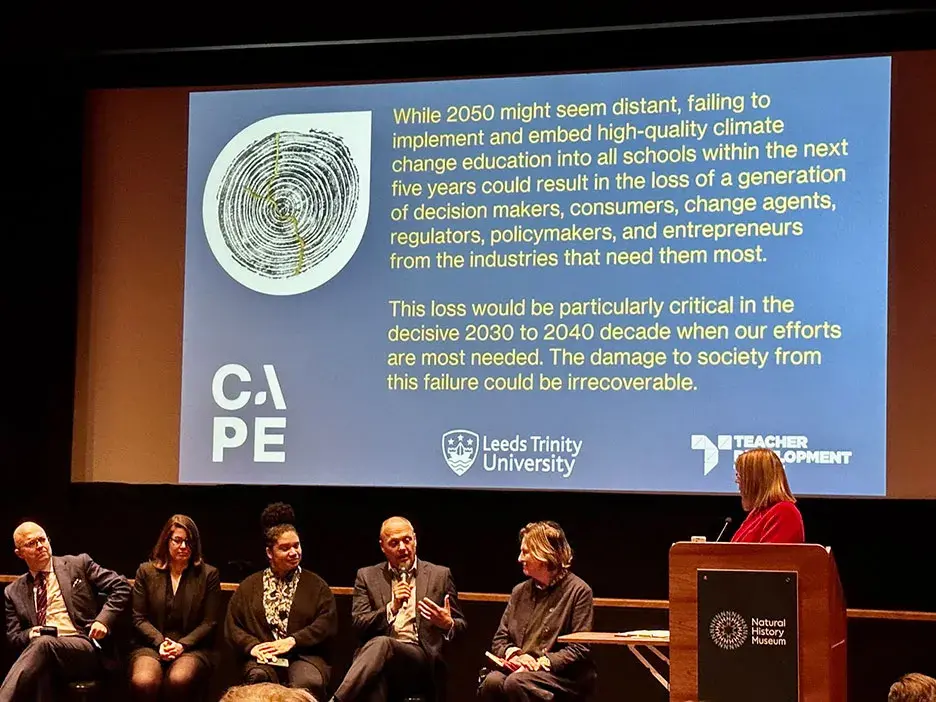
column 781, row 523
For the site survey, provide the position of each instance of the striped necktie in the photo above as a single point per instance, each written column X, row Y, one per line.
column 42, row 597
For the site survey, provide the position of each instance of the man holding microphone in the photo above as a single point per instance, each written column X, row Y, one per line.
column 403, row 611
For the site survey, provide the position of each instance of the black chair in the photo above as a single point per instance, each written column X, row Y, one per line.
column 482, row 674
column 84, row 691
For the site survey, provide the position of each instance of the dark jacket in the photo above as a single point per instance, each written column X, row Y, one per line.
column 373, row 590
column 535, row 619
column 198, row 598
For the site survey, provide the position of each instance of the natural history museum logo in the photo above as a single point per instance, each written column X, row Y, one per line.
column 728, row 630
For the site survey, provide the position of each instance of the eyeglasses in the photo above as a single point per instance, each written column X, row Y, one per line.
column 178, row 540
column 406, row 540
column 32, row 543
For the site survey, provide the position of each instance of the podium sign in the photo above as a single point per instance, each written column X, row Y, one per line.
column 747, row 628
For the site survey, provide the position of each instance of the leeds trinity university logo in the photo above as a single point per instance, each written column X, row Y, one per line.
column 700, row 442
column 728, row 630
column 460, row 449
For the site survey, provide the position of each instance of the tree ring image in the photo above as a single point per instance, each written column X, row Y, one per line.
column 286, row 200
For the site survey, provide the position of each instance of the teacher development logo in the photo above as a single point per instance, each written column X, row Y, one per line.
column 535, row 453
column 792, row 449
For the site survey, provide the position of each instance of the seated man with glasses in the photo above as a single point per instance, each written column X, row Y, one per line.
column 53, row 618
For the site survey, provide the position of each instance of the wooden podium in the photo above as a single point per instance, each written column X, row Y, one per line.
column 756, row 621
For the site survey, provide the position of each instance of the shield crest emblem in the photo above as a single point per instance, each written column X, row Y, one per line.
column 460, row 449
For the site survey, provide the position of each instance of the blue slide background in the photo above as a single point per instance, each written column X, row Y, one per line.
column 329, row 345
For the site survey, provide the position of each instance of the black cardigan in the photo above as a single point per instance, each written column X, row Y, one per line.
column 313, row 620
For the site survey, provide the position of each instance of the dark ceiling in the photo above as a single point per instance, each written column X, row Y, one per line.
column 87, row 28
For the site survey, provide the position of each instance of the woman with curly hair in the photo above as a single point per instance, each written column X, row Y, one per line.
column 282, row 620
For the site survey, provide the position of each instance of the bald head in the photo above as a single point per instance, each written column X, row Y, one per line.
column 394, row 523
column 24, row 532
column 398, row 542
column 32, row 545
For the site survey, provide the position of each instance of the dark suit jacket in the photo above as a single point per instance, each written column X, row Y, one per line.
column 199, row 599
column 373, row 590
column 82, row 581
column 313, row 620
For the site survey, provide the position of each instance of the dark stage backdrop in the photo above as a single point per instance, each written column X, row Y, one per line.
column 621, row 541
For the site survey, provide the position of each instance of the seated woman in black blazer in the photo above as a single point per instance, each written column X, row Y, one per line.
column 176, row 607
column 281, row 621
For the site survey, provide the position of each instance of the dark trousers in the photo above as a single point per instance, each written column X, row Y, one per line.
column 45, row 663
column 527, row 685
column 385, row 666
column 300, row 673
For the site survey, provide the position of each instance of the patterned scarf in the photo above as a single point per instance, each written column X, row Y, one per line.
column 278, row 596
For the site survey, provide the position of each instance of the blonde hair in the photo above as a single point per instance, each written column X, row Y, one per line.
column 547, row 543
column 762, row 480
column 913, row 687
column 266, row 692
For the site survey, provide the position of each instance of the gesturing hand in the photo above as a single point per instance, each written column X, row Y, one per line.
column 440, row 616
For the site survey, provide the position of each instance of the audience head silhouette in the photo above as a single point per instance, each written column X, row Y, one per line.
column 913, row 687
column 266, row 692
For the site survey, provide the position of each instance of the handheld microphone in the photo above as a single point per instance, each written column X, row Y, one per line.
column 404, row 578
column 724, row 526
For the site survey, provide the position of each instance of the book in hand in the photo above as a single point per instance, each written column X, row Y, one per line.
column 497, row 660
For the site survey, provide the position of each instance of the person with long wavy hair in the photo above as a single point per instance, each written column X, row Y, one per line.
column 176, row 604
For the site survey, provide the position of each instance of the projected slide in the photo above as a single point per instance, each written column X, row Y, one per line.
column 608, row 281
